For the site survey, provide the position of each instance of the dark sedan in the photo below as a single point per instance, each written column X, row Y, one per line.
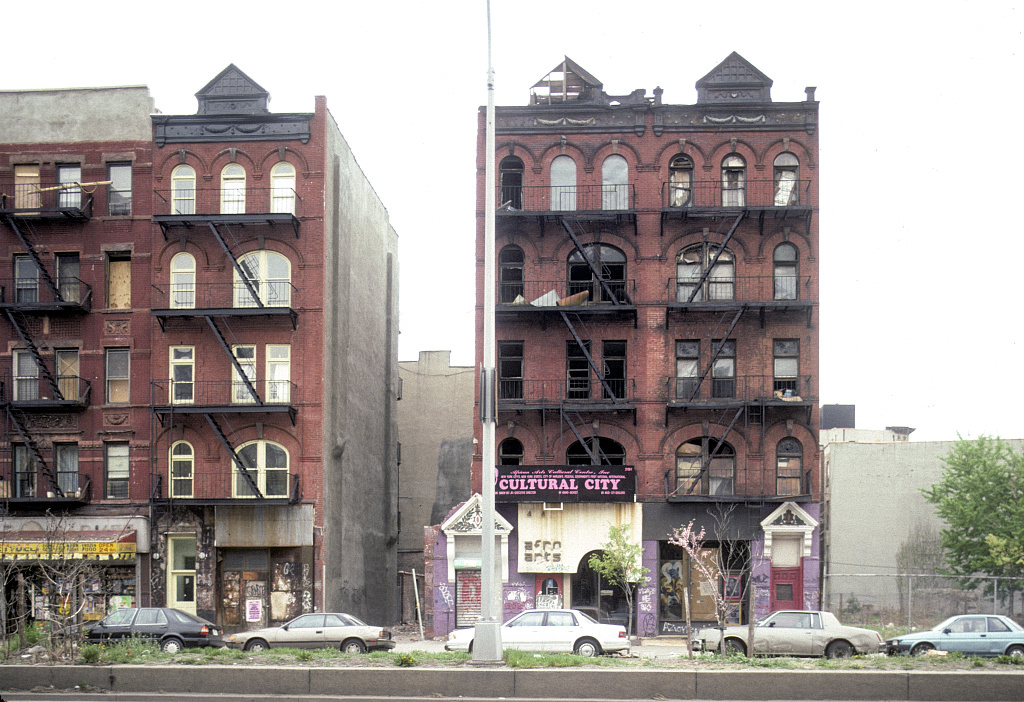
column 171, row 628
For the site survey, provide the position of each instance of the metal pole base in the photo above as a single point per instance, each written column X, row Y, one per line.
column 487, row 644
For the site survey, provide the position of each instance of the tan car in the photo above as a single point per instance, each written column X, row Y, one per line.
column 794, row 633
column 317, row 630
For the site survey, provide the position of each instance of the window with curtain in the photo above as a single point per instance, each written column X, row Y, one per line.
column 117, row 470
column 119, row 192
column 680, row 181
column 65, row 456
column 183, row 190
column 246, row 357
column 279, row 359
column 705, row 466
column 183, row 374
column 687, row 369
column 69, row 178
column 118, row 363
column 719, row 284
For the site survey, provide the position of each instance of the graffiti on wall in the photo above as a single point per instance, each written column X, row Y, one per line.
column 517, row 598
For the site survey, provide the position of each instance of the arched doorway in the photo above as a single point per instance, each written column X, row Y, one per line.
column 595, row 596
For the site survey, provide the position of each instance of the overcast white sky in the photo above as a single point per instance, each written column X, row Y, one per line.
column 920, row 137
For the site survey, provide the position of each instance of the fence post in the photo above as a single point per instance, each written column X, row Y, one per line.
column 910, row 601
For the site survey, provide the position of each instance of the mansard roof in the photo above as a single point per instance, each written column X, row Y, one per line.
column 233, row 93
column 734, row 80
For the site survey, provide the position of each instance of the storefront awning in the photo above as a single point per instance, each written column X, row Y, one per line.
column 42, row 546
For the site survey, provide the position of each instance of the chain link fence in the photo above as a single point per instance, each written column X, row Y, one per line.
column 918, row 600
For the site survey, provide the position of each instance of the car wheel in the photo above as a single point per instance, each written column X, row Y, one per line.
column 587, row 647
column 171, row 645
column 921, row 649
column 735, row 647
column 256, row 645
column 353, row 646
column 839, row 649
column 1015, row 651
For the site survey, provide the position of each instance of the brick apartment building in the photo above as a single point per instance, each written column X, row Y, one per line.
column 259, row 344
column 657, row 348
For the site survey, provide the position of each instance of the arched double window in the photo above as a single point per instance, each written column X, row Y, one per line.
column 691, row 283
column 269, row 274
column 183, row 281
column 786, row 272
column 510, row 274
column 734, row 181
column 232, row 189
column 266, row 465
column 282, row 188
column 705, row 466
column 787, row 177
column 600, row 270
column 680, row 181
column 615, row 183
column 510, row 172
column 789, row 460
column 606, row 451
column 182, row 469
column 563, row 184
column 183, row 190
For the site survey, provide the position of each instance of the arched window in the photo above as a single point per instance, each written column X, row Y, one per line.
column 183, row 190
column 510, row 274
column 282, row 188
column 609, row 264
column 183, row 281
column 232, row 189
column 734, row 181
column 606, row 451
column 719, row 284
column 266, row 464
column 705, row 466
column 786, row 272
column 789, row 460
column 615, row 183
column 270, row 275
column 510, row 452
column 563, row 183
column 787, row 176
column 510, row 171
column 680, row 181
column 182, row 469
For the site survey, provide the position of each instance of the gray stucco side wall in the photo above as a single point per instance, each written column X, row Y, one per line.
column 80, row 114
column 360, row 389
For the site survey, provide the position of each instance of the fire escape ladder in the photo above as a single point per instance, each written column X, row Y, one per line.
column 237, row 266
column 234, row 361
column 235, row 458
column 26, row 244
column 590, row 358
column 596, row 458
column 21, row 426
column 711, row 264
column 575, row 229
column 708, row 457
column 716, row 349
column 20, row 324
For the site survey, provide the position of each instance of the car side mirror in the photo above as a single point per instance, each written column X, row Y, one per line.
column 771, row 624
column 285, row 627
column 946, row 630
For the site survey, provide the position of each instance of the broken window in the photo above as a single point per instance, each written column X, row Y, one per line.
column 705, row 466
column 563, row 184
column 788, row 466
column 723, row 370
column 787, row 367
column 786, row 178
column 510, row 274
column 687, row 369
column 613, row 355
column 615, row 183
column 510, row 452
column 610, row 265
column 719, row 284
column 607, row 451
column 785, row 272
column 734, row 181
column 510, row 171
column 680, row 181
column 510, row 370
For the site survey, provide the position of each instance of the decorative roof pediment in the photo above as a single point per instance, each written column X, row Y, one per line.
column 233, row 93
column 789, row 520
column 468, row 520
column 734, row 80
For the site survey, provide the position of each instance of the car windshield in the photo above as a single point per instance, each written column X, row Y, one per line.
column 586, row 616
column 352, row 621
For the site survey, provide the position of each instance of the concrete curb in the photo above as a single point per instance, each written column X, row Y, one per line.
column 562, row 683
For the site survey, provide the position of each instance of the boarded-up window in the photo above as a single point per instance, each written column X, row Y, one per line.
column 119, row 281
column 26, row 187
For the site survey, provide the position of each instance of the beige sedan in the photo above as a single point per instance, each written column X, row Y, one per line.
column 794, row 633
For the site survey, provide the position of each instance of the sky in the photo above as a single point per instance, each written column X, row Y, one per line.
column 920, row 148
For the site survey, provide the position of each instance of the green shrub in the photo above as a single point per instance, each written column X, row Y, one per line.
column 90, row 654
column 406, row 660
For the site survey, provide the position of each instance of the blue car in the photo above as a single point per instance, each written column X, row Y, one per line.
column 969, row 634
